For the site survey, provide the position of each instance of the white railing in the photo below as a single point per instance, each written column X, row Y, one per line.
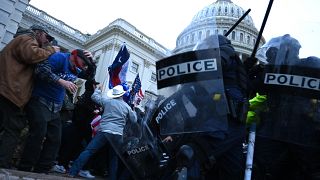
column 56, row 23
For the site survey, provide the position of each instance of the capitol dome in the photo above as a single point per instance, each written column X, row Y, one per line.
column 218, row 18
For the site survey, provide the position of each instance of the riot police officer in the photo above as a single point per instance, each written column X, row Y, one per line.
column 206, row 118
column 288, row 141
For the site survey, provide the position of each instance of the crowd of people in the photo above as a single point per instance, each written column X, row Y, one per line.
column 37, row 83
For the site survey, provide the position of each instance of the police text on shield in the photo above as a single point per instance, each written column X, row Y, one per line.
column 202, row 65
column 292, row 80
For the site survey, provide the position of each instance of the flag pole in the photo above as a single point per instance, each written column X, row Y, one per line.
column 262, row 28
column 106, row 79
column 252, row 133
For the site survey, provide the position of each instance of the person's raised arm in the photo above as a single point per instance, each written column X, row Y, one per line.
column 97, row 95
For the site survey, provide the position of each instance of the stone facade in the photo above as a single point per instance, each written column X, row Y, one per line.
column 10, row 17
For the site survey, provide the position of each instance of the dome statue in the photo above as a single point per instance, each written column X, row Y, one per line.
column 218, row 18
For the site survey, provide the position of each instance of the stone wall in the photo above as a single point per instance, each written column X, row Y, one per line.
column 10, row 16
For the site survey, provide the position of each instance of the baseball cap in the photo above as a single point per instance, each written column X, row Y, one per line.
column 44, row 29
column 80, row 53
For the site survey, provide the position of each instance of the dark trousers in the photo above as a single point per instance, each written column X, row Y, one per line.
column 12, row 120
column 218, row 155
column 228, row 152
column 282, row 160
column 44, row 139
column 72, row 143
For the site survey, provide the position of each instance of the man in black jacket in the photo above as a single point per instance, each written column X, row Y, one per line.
column 80, row 129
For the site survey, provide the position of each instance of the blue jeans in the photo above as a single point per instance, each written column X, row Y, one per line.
column 95, row 144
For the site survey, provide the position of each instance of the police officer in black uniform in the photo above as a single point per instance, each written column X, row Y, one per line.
column 218, row 154
column 288, row 142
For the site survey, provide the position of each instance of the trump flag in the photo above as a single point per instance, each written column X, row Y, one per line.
column 119, row 67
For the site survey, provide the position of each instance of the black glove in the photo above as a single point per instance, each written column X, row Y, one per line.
column 249, row 63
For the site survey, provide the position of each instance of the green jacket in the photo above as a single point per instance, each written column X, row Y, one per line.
column 257, row 104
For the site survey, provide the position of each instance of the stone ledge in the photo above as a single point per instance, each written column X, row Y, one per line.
column 10, row 174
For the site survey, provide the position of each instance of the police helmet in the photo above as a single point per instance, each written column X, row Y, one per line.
column 279, row 50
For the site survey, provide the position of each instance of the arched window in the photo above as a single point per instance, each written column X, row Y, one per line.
column 233, row 35
column 232, row 12
column 241, row 37
column 199, row 35
column 248, row 39
column 192, row 38
column 225, row 10
column 219, row 10
column 208, row 33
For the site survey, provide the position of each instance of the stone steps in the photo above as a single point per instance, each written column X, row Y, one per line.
column 10, row 174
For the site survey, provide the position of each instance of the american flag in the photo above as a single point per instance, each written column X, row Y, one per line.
column 136, row 90
column 119, row 67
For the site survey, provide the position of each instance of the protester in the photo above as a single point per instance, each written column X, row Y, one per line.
column 79, row 130
column 43, row 110
column 17, row 62
column 116, row 114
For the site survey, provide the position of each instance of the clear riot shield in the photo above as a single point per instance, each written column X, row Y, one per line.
column 191, row 84
column 292, row 86
column 140, row 150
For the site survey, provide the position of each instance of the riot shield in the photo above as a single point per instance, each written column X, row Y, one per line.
column 292, row 86
column 192, row 88
column 140, row 150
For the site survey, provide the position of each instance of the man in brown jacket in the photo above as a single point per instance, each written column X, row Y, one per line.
column 17, row 62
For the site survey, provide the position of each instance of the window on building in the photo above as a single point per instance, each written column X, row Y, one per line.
column 135, row 67
column 187, row 39
column 254, row 41
column 208, row 33
column 199, row 35
column 241, row 37
column 232, row 12
column 153, row 77
column 233, row 35
column 225, row 10
column 217, row 31
column 192, row 38
column 248, row 39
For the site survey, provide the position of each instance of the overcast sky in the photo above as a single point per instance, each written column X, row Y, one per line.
column 164, row 20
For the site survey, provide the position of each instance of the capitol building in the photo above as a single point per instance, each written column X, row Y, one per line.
column 144, row 51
